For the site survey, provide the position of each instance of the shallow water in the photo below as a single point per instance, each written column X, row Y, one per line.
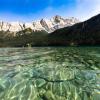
column 50, row 73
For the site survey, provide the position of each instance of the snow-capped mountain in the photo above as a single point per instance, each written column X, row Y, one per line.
column 44, row 24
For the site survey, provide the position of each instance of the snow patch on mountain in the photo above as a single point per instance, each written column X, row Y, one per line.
column 51, row 25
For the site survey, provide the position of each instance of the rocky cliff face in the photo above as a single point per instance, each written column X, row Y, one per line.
column 44, row 24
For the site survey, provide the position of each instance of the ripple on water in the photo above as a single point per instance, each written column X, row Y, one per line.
column 50, row 73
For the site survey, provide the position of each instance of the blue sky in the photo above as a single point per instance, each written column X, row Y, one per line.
column 28, row 10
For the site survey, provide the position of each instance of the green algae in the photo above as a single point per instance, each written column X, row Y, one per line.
column 50, row 73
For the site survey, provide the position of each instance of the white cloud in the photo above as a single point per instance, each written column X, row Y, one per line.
column 87, row 8
column 83, row 10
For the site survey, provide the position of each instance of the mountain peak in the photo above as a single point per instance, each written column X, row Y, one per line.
column 58, row 17
column 48, row 25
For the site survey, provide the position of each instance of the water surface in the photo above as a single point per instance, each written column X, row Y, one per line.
column 68, row 73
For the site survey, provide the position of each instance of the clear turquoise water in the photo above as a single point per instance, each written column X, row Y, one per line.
column 50, row 73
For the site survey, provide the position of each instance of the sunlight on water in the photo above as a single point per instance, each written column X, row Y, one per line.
column 50, row 73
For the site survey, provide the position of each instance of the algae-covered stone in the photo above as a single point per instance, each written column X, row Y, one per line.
column 49, row 95
column 40, row 82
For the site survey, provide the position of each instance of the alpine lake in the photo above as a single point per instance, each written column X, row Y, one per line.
column 50, row 73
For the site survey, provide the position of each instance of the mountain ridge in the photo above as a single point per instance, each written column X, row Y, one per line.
column 48, row 25
column 83, row 33
column 79, row 34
